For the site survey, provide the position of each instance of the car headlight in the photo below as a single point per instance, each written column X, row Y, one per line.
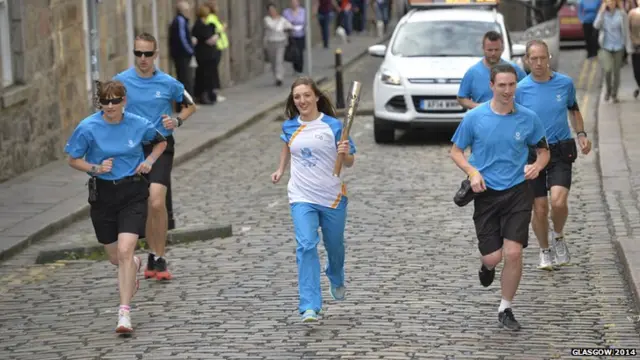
column 390, row 77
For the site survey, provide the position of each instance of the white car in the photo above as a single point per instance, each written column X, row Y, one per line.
column 428, row 54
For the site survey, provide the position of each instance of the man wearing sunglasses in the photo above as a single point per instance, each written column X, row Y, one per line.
column 151, row 94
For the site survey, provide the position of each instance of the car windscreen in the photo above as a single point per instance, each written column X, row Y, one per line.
column 442, row 38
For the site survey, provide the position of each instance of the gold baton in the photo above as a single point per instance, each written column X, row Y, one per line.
column 353, row 99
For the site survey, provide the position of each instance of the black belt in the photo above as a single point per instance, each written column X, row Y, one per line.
column 124, row 180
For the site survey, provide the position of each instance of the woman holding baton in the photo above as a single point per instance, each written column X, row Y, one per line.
column 108, row 146
column 317, row 198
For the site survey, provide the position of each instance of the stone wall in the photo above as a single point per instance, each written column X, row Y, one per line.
column 47, row 97
column 50, row 93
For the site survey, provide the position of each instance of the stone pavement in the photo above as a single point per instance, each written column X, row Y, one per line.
column 619, row 155
column 37, row 204
column 411, row 270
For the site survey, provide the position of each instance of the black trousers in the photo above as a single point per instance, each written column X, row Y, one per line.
column 590, row 39
column 183, row 74
column 635, row 62
column 204, row 80
column 299, row 43
column 215, row 70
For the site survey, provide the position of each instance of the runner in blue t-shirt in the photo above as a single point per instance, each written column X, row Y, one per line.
column 499, row 133
column 108, row 146
column 151, row 95
column 474, row 87
column 552, row 95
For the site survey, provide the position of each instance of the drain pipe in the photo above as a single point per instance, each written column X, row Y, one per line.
column 94, row 45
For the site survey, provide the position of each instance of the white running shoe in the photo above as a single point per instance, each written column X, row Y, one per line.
column 124, row 322
column 546, row 260
column 561, row 251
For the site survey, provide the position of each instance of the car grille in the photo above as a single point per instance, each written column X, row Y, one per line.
column 397, row 103
column 440, row 104
column 433, row 81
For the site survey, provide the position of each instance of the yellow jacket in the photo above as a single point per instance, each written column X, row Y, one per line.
column 223, row 41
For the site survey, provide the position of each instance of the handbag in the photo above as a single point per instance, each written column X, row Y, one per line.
column 465, row 194
column 291, row 52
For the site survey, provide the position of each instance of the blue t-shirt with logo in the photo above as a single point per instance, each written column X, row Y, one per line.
column 550, row 100
column 96, row 140
column 475, row 84
column 499, row 143
column 151, row 97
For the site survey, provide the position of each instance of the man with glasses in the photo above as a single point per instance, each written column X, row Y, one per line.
column 551, row 95
column 474, row 87
column 151, row 93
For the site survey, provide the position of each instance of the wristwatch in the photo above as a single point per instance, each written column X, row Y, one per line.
column 94, row 169
column 179, row 120
column 581, row 132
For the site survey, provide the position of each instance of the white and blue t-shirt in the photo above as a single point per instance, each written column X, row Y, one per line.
column 314, row 150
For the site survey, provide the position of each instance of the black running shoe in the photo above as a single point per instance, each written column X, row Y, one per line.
column 507, row 320
column 486, row 276
column 162, row 273
column 150, row 270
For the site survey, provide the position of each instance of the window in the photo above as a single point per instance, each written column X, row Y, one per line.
column 442, row 38
column 5, row 44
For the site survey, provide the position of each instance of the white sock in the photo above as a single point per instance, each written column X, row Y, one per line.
column 545, row 250
column 504, row 304
column 557, row 235
column 487, row 267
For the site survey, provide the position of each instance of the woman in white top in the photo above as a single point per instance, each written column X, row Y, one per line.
column 317, row 198
column 275, row 40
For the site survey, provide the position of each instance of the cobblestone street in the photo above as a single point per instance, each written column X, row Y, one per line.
column 412, row 262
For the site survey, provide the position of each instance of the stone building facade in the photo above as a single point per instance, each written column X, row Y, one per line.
column 45, row 65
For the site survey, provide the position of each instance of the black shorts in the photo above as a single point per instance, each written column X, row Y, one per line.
column 557, row 173
column 119, row 208
column 500, row 215
column 161, row 170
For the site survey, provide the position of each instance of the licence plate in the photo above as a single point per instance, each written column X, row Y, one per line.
column 569, row 20
column 439, row 105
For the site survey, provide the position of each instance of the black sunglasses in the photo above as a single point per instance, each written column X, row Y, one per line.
column 138, row 53
column 114, row 101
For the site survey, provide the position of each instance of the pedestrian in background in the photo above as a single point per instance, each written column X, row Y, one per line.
column 297, row 16
column 276, row 29
column 325, row 10
column 207, row 56
column 359, row 15
column 222, row 43
column 180, row 45
column 382, row 9
column 613, row 24
column 587, row 12
column 634, row 34
column 345, row 20
column 317, row 198
column 107, row 145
